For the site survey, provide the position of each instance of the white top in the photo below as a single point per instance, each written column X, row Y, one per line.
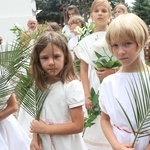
column 113, row 88
column 93, row 137
column 66, row 32
column 72, row 43
column 85, row 51
column 61, row 98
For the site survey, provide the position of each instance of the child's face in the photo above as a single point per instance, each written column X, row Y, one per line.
column 52, row 60
column 118, row 12
column 72, row 27
column 71, row 13
column 100, row 15
column 125, row 51
column 32, row 24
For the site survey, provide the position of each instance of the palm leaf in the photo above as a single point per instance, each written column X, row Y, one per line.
column 141, row 105
column 15, row 61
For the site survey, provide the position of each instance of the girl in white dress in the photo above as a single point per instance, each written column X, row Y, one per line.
column 12, row 136
column 61, row 118
column 100, row 14
column 74, row 22
column 126, row 36
column 70, row 12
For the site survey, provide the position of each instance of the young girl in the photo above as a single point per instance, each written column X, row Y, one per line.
column 70, row 12
column 120, row 9
column 75, row 21
column 61, row 118
column 126, row 36
column 12, row 136
column 100, row 13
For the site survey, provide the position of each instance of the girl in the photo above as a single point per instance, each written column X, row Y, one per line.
column 61, row 118
column 100, row 13
column 120, row 9
column 75, row 21
column 126, row 36
column 71, row 11
column 12, row 136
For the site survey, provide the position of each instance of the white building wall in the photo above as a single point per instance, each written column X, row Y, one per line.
column 14, row 11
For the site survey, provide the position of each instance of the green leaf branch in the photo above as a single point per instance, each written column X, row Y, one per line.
column 94, row 112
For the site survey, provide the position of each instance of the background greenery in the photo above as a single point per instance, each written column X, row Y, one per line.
column 55, row 10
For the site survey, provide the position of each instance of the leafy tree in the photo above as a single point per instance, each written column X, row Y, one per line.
column 142, row 9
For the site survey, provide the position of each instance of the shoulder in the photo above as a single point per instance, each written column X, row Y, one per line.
column 73, row 83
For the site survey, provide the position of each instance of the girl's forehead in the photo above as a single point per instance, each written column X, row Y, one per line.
column 120, row 40
column 100, row 5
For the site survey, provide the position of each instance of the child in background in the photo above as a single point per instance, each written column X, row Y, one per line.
column 12, row 136
column 100, row 13
column 126, row 36
column 71, row 11
column 120, row 9
column 75, row 21
column 61, row 117
column 55, row 26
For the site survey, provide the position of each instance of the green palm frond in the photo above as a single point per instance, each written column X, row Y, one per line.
column 141, row 105
column 31, row 98
column 15, row 61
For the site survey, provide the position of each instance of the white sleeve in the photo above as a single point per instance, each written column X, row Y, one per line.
column 74, row 94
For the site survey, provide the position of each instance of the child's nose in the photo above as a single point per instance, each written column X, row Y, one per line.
column 121, row 50
column 51, row 61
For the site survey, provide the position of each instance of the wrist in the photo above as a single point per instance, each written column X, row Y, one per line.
column 115, row 70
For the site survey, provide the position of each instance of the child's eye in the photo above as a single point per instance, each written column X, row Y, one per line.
column 56, row 56
column 96, row 10
column 127, row 43
column 114, row 45
column 43, row 58
column 104, row 10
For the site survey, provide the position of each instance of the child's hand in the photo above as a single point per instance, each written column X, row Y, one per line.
column 88, row 104
column 126, row 147
column 104, row 72
column 35, row 145
column 37, row 126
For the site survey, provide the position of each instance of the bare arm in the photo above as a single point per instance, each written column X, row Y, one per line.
column 85, row 83
column 148, row 147
column 108, row 131
column 11, row 107
column 76, row 126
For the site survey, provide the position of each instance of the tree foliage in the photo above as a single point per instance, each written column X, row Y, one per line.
column 55, row 10
column 142, row 9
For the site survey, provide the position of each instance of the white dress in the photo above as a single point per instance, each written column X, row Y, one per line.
column 61, row 98
column 66, row 32
column 93, row 136
column 12, row 136
column 113, row 88
column 72, row 43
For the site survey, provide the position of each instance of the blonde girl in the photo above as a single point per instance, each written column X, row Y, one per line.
column 126, row 37
column 120, row 9
column 100, row 13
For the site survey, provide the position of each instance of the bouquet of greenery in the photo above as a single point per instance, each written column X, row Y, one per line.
column 105, row 61
column 92, row 113
column 86, row 30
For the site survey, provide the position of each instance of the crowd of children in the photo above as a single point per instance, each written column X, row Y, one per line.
column 61, row 117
